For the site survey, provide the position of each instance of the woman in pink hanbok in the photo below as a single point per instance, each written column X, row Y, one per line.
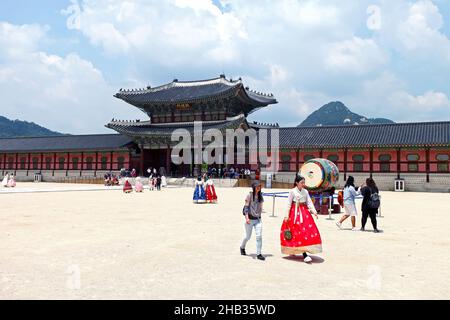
column 11, row 182
column 138, row 186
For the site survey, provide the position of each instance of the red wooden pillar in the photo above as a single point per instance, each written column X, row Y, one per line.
column 129, row 161
column 96, row 163
column 427, row 164
column 4, row 162
column 321, row 153
column 371, row 161
column 68, row 163
column 54, row 164
column 16, row 166
column 345, row 163
column 398, row 163
column 168, row 160
column 111, row 161
column 297, row 161
column 82, row 164
column 141, row 160
column 29, row 163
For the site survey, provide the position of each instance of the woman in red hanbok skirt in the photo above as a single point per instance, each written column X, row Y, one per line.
column 299, row 233
column 127, row 188
column 211, row 195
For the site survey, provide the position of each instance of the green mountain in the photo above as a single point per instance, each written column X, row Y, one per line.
column 336, row 113
column 18, row 128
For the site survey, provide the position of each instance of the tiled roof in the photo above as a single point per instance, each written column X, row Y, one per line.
column 376, row 135
column 65, row 143
column 257, row 125
column 192, row 91
column 145, row 128
column 379, row 135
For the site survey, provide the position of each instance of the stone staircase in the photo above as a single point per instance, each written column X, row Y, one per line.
column 187, row 182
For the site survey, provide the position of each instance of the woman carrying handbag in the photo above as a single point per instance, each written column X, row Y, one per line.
column 252, row 212
column 299, row 233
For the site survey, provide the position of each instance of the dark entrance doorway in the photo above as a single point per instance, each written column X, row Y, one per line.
column 156, row 158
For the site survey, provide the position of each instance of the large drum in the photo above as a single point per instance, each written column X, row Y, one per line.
column 319, row 174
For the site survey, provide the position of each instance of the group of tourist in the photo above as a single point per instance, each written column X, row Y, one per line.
column 369, row 207
column 111, row 179
column 154, row 183
column 124, row 173
column 231, row 173
column 204, row 191
column 299, row 233
column 8, row 180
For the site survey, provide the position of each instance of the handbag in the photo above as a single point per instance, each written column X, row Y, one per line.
column 287, row 234
column 246, row 208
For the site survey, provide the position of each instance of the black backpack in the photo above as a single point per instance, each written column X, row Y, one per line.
column 374, row 200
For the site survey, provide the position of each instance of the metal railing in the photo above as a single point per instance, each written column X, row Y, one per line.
column 79, row 180
column 320, row 198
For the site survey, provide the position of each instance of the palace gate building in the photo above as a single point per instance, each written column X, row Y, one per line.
column 419, row 152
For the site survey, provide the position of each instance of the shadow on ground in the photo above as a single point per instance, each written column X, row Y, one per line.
column 300, row 258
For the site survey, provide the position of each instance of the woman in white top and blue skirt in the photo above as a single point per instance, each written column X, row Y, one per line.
column 299, row 233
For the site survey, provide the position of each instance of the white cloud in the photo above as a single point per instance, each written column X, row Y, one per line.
column 17, row 40
column 278, row 74
column 420, row 31
column 66, row 94
column 357, row 56
column 388, row 96
column 158, row 30
column 430, row 101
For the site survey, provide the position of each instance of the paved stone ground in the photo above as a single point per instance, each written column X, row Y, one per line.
column 159, row 245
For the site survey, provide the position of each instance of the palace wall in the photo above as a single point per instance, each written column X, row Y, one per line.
column 59, row 166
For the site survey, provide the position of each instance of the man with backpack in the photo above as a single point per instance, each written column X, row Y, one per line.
column 370, row 204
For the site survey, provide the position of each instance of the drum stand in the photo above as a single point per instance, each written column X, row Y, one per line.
column 330, row 207
column 273, row 206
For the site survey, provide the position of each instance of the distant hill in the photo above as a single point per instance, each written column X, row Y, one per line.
column 18, row 128
column 336, row 113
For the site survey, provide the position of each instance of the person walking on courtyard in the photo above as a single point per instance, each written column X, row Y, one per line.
column 158, row 183
column 5, row 180
column 199, row 191
column 252, row 212
column 151, row 183
column 370, row 204
column 11, row 181
column 138, row 186
column 127, row 188
column 350, row 193
column 211, row 195
column 299, row 233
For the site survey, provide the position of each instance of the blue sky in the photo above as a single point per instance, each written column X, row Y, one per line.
column 62, row 61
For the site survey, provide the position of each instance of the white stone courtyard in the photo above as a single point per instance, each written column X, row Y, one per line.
column 103, row 244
